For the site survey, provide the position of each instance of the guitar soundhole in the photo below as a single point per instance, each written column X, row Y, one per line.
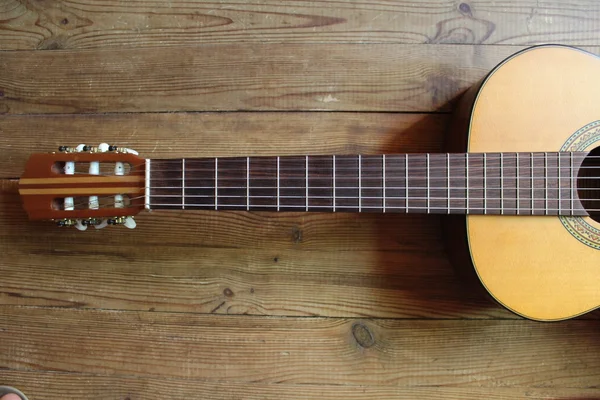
column 588, row 184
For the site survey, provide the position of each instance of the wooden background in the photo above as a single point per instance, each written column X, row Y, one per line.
column 235, row 305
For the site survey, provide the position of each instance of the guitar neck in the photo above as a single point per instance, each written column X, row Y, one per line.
column 490, row 183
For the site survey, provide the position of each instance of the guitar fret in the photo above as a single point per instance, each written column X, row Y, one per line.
column 485, row 207
column 216, row 183
column 147, row 187
column 406, row 181
column 448, row 183
column 559, row 185
column 247, row 183
column 359, row 183
column 428, row 186
column 306, row 169
column 333, row 179
column 467, row 180
column 572, row 185
column 546, row 182
column 518, row 180
column 183, row 183
column 383, row 181
column 502, row 183
column 532, row 186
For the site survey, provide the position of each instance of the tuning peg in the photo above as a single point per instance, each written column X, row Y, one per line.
column 91, row 221
column 97, row 223
column 118, row 149
column 128, row 222
column 68, row 149
column 66, row 222
column 77, row 223
column 101, row 225
column 80, row 225
column 103, row 147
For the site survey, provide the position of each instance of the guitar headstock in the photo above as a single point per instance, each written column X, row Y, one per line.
column 84, row 186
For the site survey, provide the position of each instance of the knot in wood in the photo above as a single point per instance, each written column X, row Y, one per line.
column 363, row 335
column 296, row 234
column 465, row 9
column 228, row 292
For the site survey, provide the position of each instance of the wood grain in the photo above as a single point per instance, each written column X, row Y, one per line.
column 240, row 263
column 392, row 353
column 90, row 24
column 251, row 77
column 75, row 386
column 258, row 305
column 173, row 135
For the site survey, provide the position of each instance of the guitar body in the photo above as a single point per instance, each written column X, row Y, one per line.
column 542, row 99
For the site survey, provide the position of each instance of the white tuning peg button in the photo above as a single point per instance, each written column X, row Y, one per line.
column 130, row 223
column 80, row 226
column 101, row 225
column 103, row 147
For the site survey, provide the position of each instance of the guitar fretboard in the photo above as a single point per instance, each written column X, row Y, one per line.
column 491, row 183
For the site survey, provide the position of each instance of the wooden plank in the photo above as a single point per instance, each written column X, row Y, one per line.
column 87, row 24
column 178, row 135
column 75, row 386
column 395, row 353
column 234, row 77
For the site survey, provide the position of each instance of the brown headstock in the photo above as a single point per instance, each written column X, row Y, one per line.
column 84, row 186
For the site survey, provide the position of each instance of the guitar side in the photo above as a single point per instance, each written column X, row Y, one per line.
column 542, row 99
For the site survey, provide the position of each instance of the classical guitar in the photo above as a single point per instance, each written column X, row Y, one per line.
column 520, row 183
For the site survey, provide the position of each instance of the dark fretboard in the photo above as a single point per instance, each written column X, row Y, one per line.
column 492, row 183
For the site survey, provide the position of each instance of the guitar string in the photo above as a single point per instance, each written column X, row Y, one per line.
column 355, row 198
column 303, row 207
column 421, row 178
column 210, row 206
column 378, row 169
column 401, row 158
column 392, row 198
column 363, row 188
column 303, row 176
column 568, row 211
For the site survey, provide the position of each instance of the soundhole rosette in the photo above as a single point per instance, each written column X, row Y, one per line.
column 586, row 229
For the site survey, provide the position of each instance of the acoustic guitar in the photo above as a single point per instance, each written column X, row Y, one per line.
column 520, row 183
